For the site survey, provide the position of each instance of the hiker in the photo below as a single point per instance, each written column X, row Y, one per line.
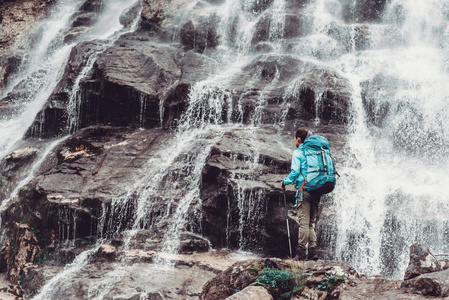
column 309, row 191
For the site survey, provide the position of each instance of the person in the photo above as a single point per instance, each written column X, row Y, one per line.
column 307, row 208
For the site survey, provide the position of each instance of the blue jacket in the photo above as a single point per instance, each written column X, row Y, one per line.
column 299, row 164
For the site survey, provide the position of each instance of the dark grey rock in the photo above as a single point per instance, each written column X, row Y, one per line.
column 434, row 284
column 421, row 261
column 363, row 10
column 200, row 34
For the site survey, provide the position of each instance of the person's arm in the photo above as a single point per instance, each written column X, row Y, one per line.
column 295, row 171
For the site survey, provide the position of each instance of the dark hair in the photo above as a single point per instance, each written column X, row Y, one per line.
column 301, row 133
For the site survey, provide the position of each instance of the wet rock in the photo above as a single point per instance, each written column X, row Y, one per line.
column 262, row 30
column 37, row 277
column 17, row 19
column 373, row 97
column 9, row 291
column 57, row 116
column 372, row 287
column 421, row 261
column 83, row 174
column 434, row 284
column 362, row 11
column 292, row 89
column 19, row 157
column 261, row 5
column 129, row 97
column 231, row 177
column 251, row 292
column 296, row 5
column 83, row 19
column 292, row 28
column 107, row 252
column 13, row 168
column 182, row 282
column 92, row 6
column 129, row 15
column 200, row 34
column 193, row 243
column 9, row 65
column 225, row 284
column 21, row 251
column 153, row 14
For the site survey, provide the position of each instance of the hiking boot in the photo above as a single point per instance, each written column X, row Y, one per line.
column 312, row 254
column 300, row 254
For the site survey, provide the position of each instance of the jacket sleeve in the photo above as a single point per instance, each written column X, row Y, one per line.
column 295, row 171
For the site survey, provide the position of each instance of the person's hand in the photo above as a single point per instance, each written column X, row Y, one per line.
column 283, row 184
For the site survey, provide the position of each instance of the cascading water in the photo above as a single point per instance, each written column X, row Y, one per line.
column 393, row 194
column 397, row 196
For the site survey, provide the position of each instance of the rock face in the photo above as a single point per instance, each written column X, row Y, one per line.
column 22, row 251
column 13, row 166
column 16, row 19
column 363, row 10
column 177, row 135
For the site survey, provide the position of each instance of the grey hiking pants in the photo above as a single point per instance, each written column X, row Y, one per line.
column 307, row 215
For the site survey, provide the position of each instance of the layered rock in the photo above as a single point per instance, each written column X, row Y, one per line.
column 13, row 166
column 16, row 20
column 123, row 100
column 363, row 10
column 22, row 251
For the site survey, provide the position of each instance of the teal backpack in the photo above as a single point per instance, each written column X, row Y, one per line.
column 320, row 176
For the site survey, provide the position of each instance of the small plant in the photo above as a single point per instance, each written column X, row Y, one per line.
column 274, row 278
column 330, row 283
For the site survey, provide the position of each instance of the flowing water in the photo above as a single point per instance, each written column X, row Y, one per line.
column 397, row 196
column 392, row 190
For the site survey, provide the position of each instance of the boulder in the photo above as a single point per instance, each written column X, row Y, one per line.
column 251, row 292
column 421, row 261
column 309, row 279
column 434, row 284
column 108, row 252
column 236, row 277
column 190, row 242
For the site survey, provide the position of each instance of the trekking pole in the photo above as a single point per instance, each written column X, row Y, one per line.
column 288, row 227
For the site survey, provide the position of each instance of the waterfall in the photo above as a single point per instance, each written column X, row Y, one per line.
column 397, row 196
column 31, row 173
column 44, row 64
column 52, row 288
column 392, row 190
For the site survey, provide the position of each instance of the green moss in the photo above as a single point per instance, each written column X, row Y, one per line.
column 330, row 283
column 275, row 278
